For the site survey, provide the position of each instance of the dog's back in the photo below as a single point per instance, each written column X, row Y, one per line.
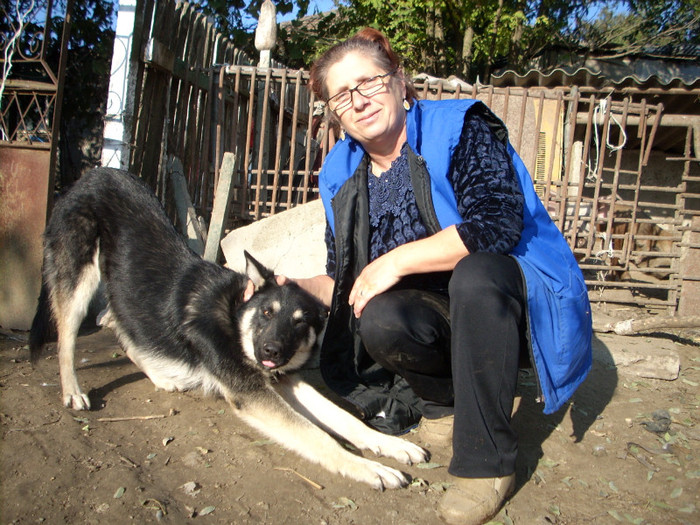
column 105, row 225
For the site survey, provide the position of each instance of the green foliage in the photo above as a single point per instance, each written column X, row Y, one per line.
column 430, row 34
column 86, row 76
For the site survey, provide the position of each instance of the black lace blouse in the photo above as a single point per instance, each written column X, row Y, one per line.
column 486, row 186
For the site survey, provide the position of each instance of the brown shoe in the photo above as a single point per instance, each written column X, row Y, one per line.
column 436, row 432
column 473, row 501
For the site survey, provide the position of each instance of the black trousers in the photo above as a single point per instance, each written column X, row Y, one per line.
column 460, row 353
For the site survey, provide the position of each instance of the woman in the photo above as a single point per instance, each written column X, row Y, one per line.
column 443, row 271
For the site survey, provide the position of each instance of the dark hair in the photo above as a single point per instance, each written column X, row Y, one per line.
column 367, row 41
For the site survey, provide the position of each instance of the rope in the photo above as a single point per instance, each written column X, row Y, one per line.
column 598, row 113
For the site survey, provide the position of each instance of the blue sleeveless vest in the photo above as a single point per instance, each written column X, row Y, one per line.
column 559, row 313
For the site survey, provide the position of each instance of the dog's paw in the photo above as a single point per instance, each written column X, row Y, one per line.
column 399, row 449
column 77, row 401
column 378, row 476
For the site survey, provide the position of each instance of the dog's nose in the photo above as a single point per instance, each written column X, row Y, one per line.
column 272, row 350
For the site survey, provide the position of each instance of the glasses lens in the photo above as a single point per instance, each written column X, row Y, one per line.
column 340, row 101
column 366, row 88
column 371, row 85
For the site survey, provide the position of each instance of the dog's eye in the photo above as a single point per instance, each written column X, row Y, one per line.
column 267, row 312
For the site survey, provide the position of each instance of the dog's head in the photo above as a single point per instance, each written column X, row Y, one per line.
column 280, row 325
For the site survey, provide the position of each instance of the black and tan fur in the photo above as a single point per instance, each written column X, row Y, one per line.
column 183, row 321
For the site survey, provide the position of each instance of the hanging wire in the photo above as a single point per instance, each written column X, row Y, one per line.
column 623, row 134
column 10, row 51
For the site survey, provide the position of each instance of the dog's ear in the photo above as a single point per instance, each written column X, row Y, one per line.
column 257, row 273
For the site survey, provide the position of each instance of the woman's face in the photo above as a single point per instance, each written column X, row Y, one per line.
column 376, row 121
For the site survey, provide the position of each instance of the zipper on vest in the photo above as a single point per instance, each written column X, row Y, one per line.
column 423, row 192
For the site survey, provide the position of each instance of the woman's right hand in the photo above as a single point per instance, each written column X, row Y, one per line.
column 250, row 287
column 320, row 286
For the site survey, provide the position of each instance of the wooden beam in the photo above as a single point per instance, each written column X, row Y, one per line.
column 186, row 215
column 161, row 57
column 219, row 213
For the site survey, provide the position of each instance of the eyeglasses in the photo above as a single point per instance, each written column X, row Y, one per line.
column 366, row 88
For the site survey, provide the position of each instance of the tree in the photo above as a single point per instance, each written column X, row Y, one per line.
column 645, row 26
column 471, row 39
column 86, row 85
column 86, row 76
column 668, row 21
column 444, row 37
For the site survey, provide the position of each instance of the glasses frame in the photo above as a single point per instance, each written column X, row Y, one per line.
column 357, row 89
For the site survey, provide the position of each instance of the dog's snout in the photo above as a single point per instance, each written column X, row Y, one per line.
column 272, row 350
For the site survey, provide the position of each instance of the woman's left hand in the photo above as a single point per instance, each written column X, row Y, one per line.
column 438, row 253
column 377, row 277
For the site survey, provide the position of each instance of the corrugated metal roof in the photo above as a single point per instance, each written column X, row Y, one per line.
column 673, row 82
column 679, row 50
column 645, row 72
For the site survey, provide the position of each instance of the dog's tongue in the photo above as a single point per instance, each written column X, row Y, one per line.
column 269, row 364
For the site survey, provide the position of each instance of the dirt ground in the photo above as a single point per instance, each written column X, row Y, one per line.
column 188, row 459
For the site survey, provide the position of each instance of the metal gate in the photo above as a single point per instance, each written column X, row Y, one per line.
column 30, row 106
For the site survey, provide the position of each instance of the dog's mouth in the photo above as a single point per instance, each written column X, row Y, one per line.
column 272, row 356
column 270, row 365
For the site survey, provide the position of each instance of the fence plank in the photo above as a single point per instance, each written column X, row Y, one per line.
column 219, row 214
column 278, row 144
column 187, row 216
column 293, row 139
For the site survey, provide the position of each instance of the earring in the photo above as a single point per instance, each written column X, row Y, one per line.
column 406, row 105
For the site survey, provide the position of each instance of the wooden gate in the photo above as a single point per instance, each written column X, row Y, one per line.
column 626, row 211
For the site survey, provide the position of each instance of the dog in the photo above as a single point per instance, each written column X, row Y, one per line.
column 186, row 324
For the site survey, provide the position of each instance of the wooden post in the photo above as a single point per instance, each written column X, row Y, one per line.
column 219, row 213
column 634, row 326
column 186, row 215
column 689, row 303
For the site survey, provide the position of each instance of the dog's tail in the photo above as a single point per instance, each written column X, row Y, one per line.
column 43, row 328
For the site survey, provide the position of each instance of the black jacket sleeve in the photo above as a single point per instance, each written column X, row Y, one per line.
column 486, row 186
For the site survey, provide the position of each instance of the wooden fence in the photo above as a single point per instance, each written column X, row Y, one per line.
column 199, row 97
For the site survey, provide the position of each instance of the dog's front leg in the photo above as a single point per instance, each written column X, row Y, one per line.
column 269, row 413
column 307, row 400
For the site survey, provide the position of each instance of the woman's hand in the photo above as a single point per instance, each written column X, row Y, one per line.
column 320, row 286
column 377, row 277
column 250, row 287
column 437, row 253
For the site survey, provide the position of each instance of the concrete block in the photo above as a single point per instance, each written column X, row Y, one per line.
column 291, row 242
